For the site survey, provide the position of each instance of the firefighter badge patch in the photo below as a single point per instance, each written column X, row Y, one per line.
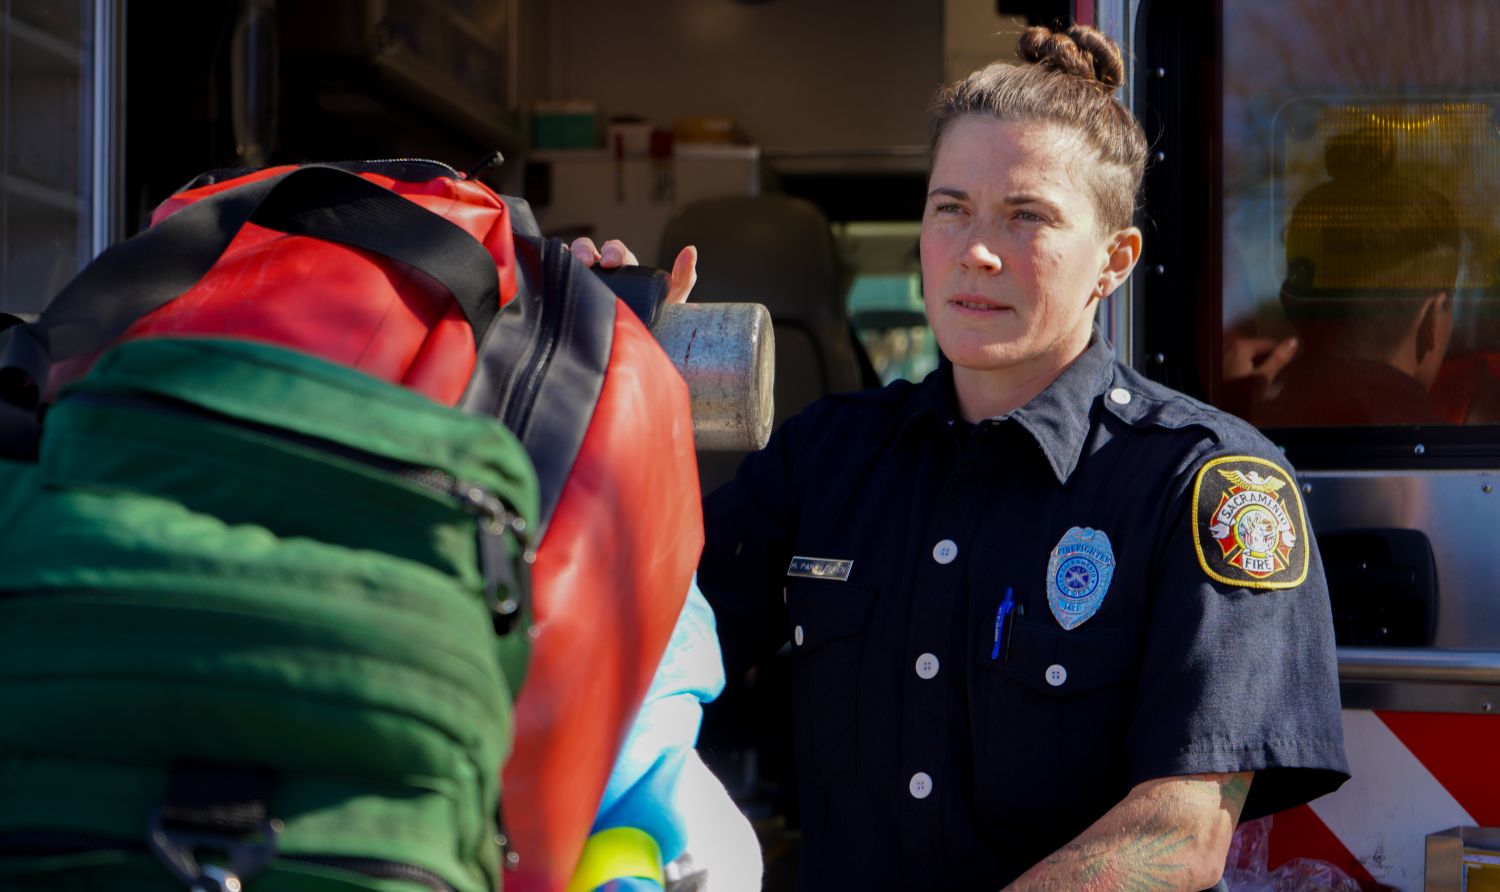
column 1250, row 529
column 1078, row 575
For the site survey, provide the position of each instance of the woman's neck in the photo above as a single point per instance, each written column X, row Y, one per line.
column 987, row 393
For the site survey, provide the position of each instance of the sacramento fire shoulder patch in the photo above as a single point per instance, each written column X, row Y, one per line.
column 1250, row 529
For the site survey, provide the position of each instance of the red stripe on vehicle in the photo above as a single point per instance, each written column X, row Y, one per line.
column 1459, row 750
column 1298, row 833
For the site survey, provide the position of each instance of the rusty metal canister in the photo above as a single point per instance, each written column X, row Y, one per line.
column 726, row 352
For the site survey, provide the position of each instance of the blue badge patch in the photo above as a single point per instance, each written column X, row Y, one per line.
column 1078, row 575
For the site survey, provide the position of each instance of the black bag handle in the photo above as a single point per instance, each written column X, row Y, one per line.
column 138, row 275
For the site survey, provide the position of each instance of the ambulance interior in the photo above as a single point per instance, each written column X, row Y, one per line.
column 1290, row 140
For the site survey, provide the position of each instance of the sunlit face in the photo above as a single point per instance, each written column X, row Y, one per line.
column 1014, row 258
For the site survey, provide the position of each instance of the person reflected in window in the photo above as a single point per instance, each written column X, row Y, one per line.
column 1372, row 261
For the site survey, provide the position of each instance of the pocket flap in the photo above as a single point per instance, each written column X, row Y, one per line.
column 1059, row 662
column 825, row 611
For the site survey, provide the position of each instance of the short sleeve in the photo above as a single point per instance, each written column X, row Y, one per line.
column 1239, row 671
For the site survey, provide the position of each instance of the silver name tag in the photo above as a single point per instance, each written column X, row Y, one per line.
column 820, row 568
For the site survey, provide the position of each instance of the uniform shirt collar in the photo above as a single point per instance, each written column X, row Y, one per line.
column 1058, row 419
column 934, row 403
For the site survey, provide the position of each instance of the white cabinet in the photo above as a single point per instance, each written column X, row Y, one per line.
column 631, row 197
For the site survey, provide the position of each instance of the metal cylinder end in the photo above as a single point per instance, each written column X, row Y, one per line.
column 726, row 352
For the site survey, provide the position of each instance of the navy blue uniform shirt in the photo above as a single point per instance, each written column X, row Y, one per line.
column 1168, row 615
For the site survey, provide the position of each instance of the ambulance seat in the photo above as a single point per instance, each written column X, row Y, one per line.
column 778, row 251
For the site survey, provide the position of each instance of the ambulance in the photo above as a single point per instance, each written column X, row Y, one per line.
column 1246, row 104
column 657, row 122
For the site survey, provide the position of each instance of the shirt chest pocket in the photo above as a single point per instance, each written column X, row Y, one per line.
column 1050, row 714
column 828, row 619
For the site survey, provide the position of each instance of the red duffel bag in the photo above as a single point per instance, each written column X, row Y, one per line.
column 320, row 259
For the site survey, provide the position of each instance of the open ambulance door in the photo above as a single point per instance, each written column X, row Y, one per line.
column 1322, row 257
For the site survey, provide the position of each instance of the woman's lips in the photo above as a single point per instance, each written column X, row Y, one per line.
column 976, row 304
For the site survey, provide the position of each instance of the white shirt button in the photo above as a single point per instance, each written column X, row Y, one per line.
column 1119, row 396
column 1056, row 675
column 945, row 551
column 927, row 666
column 921, row 785
column 797, row 635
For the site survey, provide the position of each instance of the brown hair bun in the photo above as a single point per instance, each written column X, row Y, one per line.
column 1080, row 51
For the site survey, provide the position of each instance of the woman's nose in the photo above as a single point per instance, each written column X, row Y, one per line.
column 978, row 255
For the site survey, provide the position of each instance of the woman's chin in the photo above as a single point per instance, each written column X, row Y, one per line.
column 983, row 357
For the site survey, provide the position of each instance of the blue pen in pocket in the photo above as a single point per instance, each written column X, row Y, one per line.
column 1001, row 612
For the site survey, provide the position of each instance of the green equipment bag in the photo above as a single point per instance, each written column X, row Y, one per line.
column 244, row 618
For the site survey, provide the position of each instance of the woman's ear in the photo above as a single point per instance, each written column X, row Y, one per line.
column 1124, row 249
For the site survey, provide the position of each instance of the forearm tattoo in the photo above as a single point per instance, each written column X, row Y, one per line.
column 1151, row 860
column 1233, row 791
column 1157, row 854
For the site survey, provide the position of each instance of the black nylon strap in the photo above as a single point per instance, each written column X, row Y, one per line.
column 642, row 288
column 345, row 208
column 542, row 369
column 141, row 274
column 9, row 319
column 134, row 277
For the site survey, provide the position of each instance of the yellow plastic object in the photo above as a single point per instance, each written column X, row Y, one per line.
column 615, row 853
column 712, row 130
column 1419, row 153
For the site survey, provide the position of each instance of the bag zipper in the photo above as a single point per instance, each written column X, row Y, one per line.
column 495, row 520
column 551, row 317
column 449, row 169
column 55, row 844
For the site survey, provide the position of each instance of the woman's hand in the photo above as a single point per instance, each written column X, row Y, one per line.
column 684, row 274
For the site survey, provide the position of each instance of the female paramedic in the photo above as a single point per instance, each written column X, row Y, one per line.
column 1053, row 625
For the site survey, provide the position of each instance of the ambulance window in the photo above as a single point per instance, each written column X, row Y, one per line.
column 884, row 300
column 1360, row 213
